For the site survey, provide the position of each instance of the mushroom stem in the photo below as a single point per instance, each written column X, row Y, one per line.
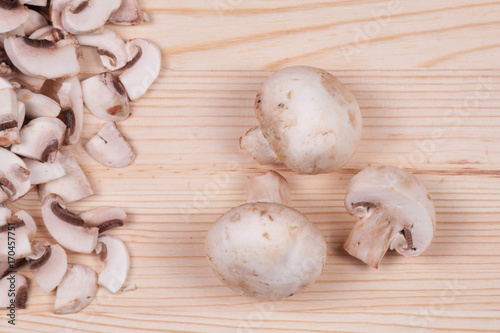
column 257, row 146
column 270, row 187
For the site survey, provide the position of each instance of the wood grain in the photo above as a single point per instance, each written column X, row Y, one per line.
column 428, row 83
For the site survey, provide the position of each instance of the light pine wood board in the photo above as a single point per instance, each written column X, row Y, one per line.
column 427, row 77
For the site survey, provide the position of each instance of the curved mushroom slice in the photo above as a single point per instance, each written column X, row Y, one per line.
column 34, row 22
column 48, row 263
column 20, row 295
column 82, row 16
column 43, row 58
column 12, row 15
column 394, row 211
column 41, row 139
column 143, row 68
column 38, row 3
column 3, row 196
column 29, row 222
column 14, row 176
column 14, row 228
column 129, row 13
column 104, row 218
column 256, row 144
column 55, row 10
column 7, row 268
column 9, row 129
column 110, row 47
column 72, row 187
column 76, row 290
column 106, row 97
column 38, row 105
column 114, row 254
column 41, row 173
column 22, row 81
column 109, row 148
column 67, row 228
column 71, row 99
column 49, row 33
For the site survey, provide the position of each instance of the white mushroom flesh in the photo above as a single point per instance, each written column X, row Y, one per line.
column 114, row 254
column 256, row 145
column 14, row 176
column 34, row 22
column 19, row 297
column 12, row 15
column 38, row 105
column 14, row 229
column 9, row 117
column 129, row 13
column 110, row 148
column 29, row 222
column 49, row 264
column 77, row 289
column 21, row 114
column 104, row 218
column 41, row 173
column 110, row 47
column 83, row 16
column 71, row 99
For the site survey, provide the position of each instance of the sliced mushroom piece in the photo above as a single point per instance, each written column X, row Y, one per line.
column 72, row 187
column 22, row 81
column 5, row 63
column 5, row 84
column 106, row 97
column 43, row 58
column 67, row 228
column 49, row 33
column 143, row 68
column 38, row 3
column 14, row 176
column 129, row 13
column 76, row 290
column 7, row 268
column 21, row 114
column 38, row 105
column 41, row 173
column 256, row 144
column 82, row 16
column 110, row 47
column 9, row 129
column 104, row 218
column 41, row 139
column 29, row 222
column 395, row 212
column 114, row 254
column 12, row 15
column 110, row 148
column 34, row 22
column 20, row 295
column 48, row 263
column 55, row 10
column 14, row 229
column 71, row 100
column 3, row 196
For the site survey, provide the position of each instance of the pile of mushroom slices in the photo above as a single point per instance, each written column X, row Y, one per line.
column 42, row 103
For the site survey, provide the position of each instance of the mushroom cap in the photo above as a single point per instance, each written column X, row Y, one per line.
column 310, row 119
column 76, row 290
column 48, row 263
column 265, row 250
column 114, row 254
column 83, row 16
column 12, row 15
column 401, row 200
column 110, row 148
column 14, row 176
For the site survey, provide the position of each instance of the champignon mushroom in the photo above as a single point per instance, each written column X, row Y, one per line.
column 76, row 290
column 41, row 139
column 309, row 119
column 67, row 228
column 7, row 268
column 104, row 218
column 83, row 16
column 34, row 22
column 265, row 248
column 106, row 97
column 49, row 33
column 5, row 63
column 43, row 58
column 9, row 129
column 22, row 81
column 21, row 114
column 71, row 100
column 12, row 15
column 129, row 13
column 14, row 228
column 41, row 173
column 114, row 254
column 110, row 47
column 55, row 9
column 143, row 68
column 48, row 263
column 72, row 187
column 110, row 148
column 256, row 144
column 19, row 297
column 14, row 176
column 29, row 222
column 394, row 210
column 38, row 105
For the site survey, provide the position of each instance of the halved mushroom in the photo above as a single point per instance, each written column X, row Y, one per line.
column 110, row 47
column 104, row 218
column 110, row 148
column 129, row 13
column 72, row 187
column 29, row 222
column 394, row 210
column 14, row 176
column 15, row 229
column 143, row 68
column 114, row 254
column 38, row 105
column 12, row 15
column 76, row 290
column 67, row 228
column 106, row 97
column 48, row 263
column 41, row 173
column 71, row 100
column 34, row 22
column 9, row 129
column 19, row 297
column 43, row 58
column 256, row 144
column 83, row 16
column 41, row 139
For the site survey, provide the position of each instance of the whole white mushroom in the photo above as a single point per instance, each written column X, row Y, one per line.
column 264, row 248
column 308, row 119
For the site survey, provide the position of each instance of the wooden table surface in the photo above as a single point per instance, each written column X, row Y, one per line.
column 427, row 77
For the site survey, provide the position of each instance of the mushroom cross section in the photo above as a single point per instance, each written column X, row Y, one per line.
column 9, row 117
column 394, row 211
column 76, row 290
column 48, row 263
column 20, row 295
column 110, row 148
column 83, row 16
column 14, row 229
column 104, row 218
column 114, row 254
column 12, row 15
column 110, row 47
column 14, row 176
column 129, row 13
